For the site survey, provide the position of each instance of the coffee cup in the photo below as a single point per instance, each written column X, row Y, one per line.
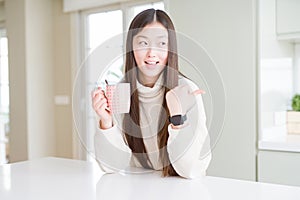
column 118, row 97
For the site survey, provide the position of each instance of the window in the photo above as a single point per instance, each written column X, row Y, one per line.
column 101, row 25
column 99, row 29
column 4, row 97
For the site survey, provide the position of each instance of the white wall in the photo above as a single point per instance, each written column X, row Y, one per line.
column 40, row 68
column 30, row 37
column 276, row 67
column 227, row 30
column 296, row 68
column 62, row 79
column 2, row 11
column 39, row 71
column 15, row 24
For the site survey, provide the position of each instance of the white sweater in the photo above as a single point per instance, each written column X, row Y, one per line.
column 188, row 147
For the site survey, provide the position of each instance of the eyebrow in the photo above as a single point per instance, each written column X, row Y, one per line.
column 160, row 36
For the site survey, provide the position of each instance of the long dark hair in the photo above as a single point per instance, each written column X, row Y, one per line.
column 131, row 122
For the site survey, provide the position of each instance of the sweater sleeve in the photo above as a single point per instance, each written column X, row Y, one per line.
column 112, row 154
column 189, row 147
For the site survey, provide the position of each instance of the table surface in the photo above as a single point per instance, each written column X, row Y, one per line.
column 57, row 178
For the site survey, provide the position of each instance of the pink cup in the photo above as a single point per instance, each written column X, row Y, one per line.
column 118, row 97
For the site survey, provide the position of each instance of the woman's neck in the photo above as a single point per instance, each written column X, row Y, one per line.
column 148, row 81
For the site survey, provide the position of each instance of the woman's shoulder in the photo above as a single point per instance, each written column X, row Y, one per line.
column 185, row 81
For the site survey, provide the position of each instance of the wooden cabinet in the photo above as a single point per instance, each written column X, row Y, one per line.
column 287, row 19
column 279, row 167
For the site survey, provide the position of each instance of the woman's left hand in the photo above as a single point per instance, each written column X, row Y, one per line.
column 180, row 99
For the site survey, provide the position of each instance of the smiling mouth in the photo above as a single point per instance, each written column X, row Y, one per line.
column 151, row 62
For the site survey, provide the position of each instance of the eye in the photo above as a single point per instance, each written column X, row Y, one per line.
column 163, row 44
column 143, row 43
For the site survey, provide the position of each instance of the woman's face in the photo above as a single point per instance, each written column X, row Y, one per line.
column 150, row 48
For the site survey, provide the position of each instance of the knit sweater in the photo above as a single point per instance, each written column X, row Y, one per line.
column 188, row 147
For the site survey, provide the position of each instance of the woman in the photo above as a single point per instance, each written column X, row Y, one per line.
column 165, row 127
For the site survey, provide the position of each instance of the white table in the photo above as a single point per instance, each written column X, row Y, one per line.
column 56, row 178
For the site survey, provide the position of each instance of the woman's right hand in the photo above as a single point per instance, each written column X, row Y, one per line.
column 99, row 103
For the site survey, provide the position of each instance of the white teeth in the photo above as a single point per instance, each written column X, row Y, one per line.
column 151, row 62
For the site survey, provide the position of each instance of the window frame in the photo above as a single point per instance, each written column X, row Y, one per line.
column 80, row 24
column 5, row 126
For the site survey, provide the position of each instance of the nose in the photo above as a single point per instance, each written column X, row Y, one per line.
column 151, row 52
